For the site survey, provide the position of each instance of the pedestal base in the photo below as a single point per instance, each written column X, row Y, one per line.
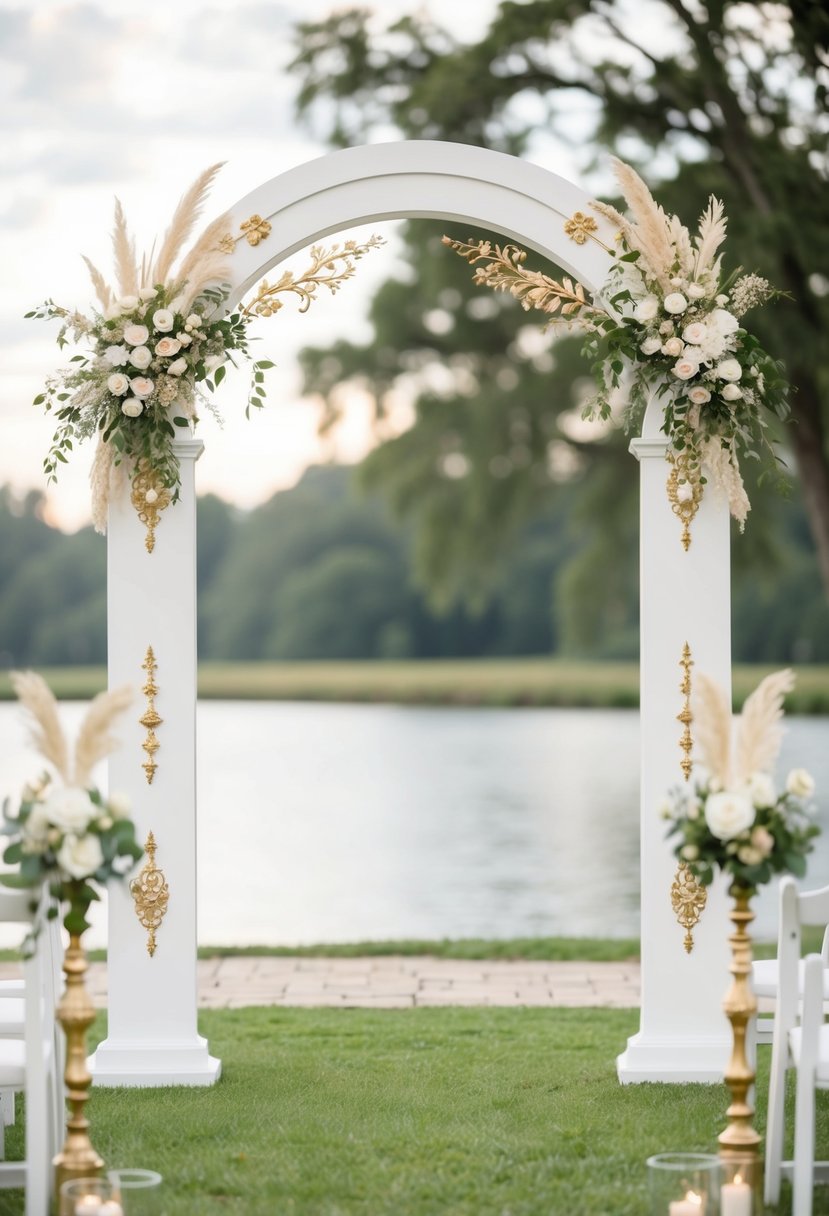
column 673, row 1060
column 155, row 1064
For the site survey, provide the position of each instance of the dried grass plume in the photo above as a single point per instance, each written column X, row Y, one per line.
column 712, row 727
column 95, row 739
column 45, row 729
column 759, row 733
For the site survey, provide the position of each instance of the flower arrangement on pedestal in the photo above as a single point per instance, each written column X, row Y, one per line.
column 735, row 820
column 66, row 835
column 157, row 345
column 668, row 322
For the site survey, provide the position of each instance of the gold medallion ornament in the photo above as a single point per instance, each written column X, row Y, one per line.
column 150, row 719
column 581, row 227
column 151, row 895
column 688, row 900
column 150, row 498
column 684, row 494
column 255, row 229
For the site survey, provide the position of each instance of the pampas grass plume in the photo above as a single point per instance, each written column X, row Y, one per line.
column 45, row 729
column 95, row 739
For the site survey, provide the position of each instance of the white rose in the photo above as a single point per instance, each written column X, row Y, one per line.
column 147, row 293
column 177, row 368
column 696, row 291
column 141, row 357
column 731, row 392
column 214, row 361
column 760, row 789
column 141, row 386
column 690, row 852
column 36, row 830
column 69, row 808
column 127, row 303
column 675, row 303
column 163, row 320
column 184, row 339
column 749, row 856
column 673, row 347
column 646, row 309
column 118, row 384
column 712, row 345
column 116, row 356
column 800, row 783
column 685, row 368
column 695, row 333
column 132, row 407
column 165, row 348
column 729, row 369
column 724, row 321
column 666, row 327
column 80, row 857
column 727, row 814
column 698, row 395
column 119, row 806
column 136, row 335
column 194, row 320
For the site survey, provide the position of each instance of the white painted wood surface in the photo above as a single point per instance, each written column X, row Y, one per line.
column 152, row 1037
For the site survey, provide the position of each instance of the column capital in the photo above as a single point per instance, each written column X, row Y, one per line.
column 188, row 448
column 648, row 449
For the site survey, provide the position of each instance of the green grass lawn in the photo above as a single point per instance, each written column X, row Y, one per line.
column 494, row 682
column 473, row 1112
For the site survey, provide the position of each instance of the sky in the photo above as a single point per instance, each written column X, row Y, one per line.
column 103, row 98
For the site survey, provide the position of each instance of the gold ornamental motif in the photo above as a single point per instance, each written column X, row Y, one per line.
column 685, row 716
column 150, row 718
column 149, row 498
column 228, row 243
column 580, row 226
column 684, row 494
column 151, row 894
column 688, row 900
column 255, row 229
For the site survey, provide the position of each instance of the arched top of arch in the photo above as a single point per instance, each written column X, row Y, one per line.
column 416, row 179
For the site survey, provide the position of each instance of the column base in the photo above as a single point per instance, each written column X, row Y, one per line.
column 154, row 1064
column 673, row 1060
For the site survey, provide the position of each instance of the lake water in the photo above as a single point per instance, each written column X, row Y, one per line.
column 338, row 822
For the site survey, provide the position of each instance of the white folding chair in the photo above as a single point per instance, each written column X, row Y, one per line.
column 29, row 1064
column 765, row 980
column 800, row 1041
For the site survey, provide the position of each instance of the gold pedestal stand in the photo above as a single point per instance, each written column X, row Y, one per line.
column 740, row 1143
column 77, row 1158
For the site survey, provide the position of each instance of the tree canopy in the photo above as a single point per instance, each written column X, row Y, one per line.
column 702, row 96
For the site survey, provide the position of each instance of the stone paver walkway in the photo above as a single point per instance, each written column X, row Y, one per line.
column 402, row 983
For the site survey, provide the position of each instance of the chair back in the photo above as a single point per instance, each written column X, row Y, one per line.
column 796, row 910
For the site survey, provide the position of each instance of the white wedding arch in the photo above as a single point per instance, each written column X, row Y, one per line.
column 685, row 600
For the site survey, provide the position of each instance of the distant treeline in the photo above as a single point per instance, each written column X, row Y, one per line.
column 323, row 572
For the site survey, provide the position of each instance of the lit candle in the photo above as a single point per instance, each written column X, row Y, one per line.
column 110, row 1208
column 735, row 1198
column 88, row 1205
column 691, row 1205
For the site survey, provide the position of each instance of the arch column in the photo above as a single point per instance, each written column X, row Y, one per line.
column 152, row 1035
column 684, row 597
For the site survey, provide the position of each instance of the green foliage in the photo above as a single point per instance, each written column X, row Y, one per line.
column 712, row 98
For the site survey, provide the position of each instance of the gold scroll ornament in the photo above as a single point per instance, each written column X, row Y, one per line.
column 150, row 719
column 149, row 498
column 688, row 897
column 151, row 894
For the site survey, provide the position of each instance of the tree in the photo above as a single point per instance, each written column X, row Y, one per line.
column 705, row 96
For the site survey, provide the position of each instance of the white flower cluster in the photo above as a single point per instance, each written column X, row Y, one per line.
column 65, row 826
column 136, row 335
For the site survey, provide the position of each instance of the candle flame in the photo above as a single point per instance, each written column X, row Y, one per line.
column 693, row 1197
column 738, row 1178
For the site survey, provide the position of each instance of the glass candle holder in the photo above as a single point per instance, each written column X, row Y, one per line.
column 89, row 1197
column 741, row 1186
column 684, row 1184
column 138, row 1191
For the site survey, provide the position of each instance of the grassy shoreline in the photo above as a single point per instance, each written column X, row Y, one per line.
column 485, row 682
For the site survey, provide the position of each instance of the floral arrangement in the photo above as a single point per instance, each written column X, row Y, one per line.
column 668, row 320
column 734, row 818
column 158, row 344
column 65, row 833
